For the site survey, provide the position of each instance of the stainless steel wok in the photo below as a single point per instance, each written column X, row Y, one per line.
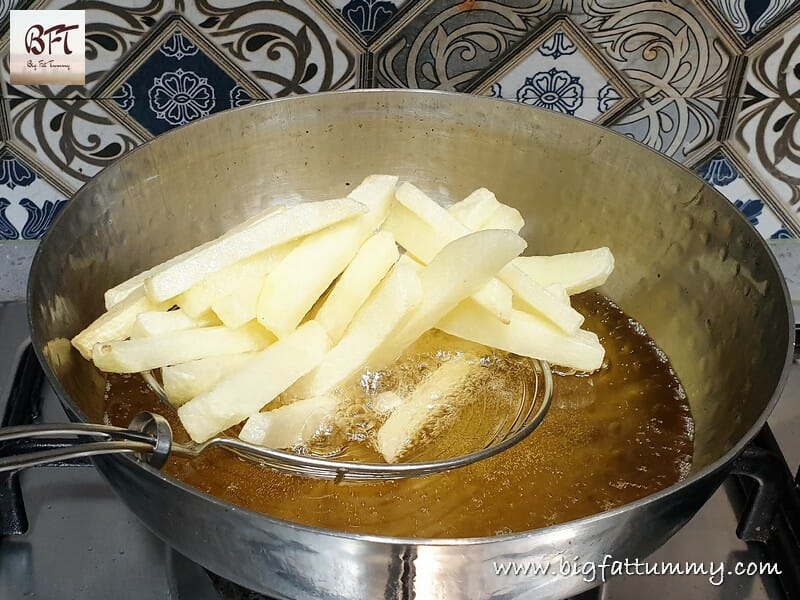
column 688, row 267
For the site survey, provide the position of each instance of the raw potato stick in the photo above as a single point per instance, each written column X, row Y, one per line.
column 241, row 305
column 201, row 297
column 118, row 293
column 481, row 210
column 114, row 324
column 121, row 291
column 184, row 381
column 461, row 268
column 373, row 260
column 407, row 420
column 250, row 388
column 447, row 229
column 154, row 322
column 526, row 335
column 558, row 291
column 276, row 229
column 476, row 209
column 539, row 300
column 423, row 242
column 291, row 425
column 143, row 354
column 505, row 217
column 397, row 297
column 293, row 287
column 576, row 271
column 496, row 297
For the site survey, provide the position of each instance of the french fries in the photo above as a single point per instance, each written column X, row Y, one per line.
column 295, row 301
column 144, row 354
column 392, row 302
column 290, row 425
column 373, row 260
column 249, row 389
column 276, row 229
column 312, row 266
column 184, row 381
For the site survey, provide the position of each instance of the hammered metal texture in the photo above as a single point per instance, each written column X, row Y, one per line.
column 690, row 269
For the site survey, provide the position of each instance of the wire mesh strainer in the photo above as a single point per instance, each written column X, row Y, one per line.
column 150, row 437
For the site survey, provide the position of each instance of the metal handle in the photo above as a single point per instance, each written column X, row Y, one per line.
column 148, row 434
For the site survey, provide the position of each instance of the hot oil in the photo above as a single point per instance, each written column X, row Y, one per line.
column 474, row 402
column 610, row 438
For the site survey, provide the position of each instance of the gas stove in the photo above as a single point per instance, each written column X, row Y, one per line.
column 64, row 533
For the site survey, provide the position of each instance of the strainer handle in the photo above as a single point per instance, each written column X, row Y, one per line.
column 148, row 435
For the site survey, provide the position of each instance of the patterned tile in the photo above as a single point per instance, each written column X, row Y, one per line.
column 451, row 42
column 368, row 17
column 7, row 6
column 69, row 140
column 766, row 128
column 286, row 47
column 560, row 70
column 677, row 62
column 678, row 127
column 176, row 84
column 665, row 48
column 28, row 203
column 720, row 172
column 751, row 18
column 664, row 72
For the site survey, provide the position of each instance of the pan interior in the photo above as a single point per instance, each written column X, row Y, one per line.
column 689, row 268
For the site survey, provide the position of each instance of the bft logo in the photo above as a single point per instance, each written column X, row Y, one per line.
column 48, row 47
column 37, row 35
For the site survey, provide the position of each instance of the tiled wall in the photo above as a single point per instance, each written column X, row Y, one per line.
column 714, row 84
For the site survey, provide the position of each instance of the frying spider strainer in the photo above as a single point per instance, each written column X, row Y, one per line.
column 150, row 437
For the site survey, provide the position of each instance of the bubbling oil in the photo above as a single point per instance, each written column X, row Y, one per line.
column 610, row 437
column 473, row 408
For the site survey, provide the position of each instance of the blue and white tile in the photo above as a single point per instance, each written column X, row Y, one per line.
column 28, row 203
column 558, row 75
column 368, row 17
column 289, row 47
column 176, row 84
column 720, row 172
column 751, row 18
column 68, row 140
